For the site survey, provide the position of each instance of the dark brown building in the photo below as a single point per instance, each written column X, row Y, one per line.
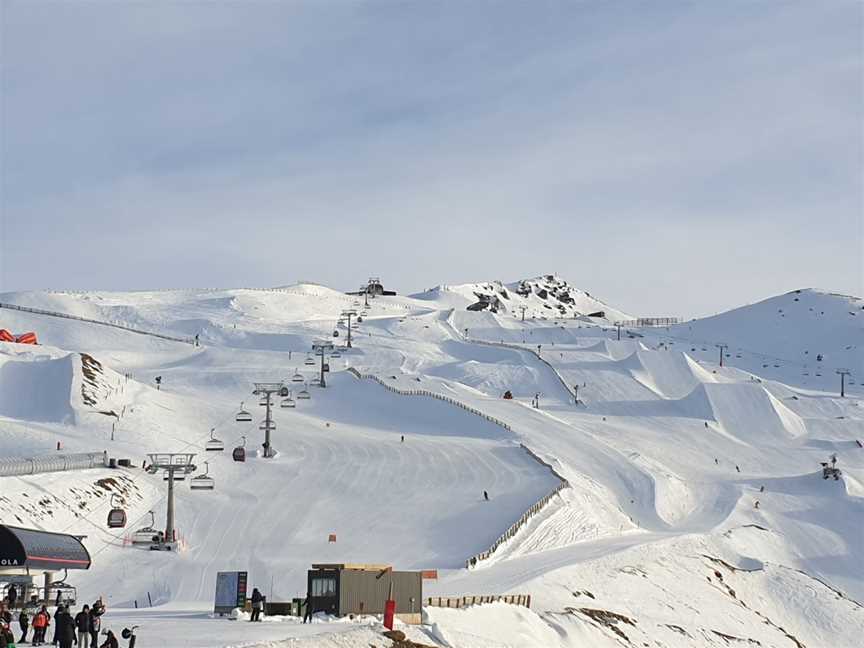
column 343, row 589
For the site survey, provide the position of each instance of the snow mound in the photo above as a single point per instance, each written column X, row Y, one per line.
column 37, row 388
column 747, row 411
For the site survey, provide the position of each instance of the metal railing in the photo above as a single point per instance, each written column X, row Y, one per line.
column 39, row 311
column 527, row 515
column 22, row 466
column 649, row 321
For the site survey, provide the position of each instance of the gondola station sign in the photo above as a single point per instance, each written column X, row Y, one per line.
column 41, row 550
column 230, row 591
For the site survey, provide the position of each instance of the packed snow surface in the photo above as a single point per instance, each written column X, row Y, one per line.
column 692, row 510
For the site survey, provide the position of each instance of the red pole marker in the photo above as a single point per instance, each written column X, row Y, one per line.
column 389, row 613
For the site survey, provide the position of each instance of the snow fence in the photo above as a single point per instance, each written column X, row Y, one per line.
column 514, row 528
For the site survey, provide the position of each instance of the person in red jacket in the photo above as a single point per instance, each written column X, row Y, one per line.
column 40, row 625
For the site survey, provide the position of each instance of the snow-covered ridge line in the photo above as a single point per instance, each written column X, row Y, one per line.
column 39, row 311
column 527, row 515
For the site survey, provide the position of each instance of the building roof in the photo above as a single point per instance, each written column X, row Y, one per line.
column 354, row 566
column 41, row 550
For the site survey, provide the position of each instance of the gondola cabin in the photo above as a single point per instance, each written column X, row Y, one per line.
column 239, row 454
column 116, row 518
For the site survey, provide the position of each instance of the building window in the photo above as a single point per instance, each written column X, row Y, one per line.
column 323, row 587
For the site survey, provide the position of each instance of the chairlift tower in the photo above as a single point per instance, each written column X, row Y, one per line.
column 322, row 348
column 348, row 314
column 172, row 463
column 722, row 348
column 618, row 326
column 523, row 309
column 266, row 391
column 842, row 373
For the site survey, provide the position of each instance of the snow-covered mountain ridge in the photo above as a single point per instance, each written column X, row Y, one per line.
column 541, row 297
column 695, row 514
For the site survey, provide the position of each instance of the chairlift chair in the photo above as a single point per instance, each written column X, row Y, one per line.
column 309, row 360
column 203, row 482
column 297, row 377
column 239, row 453
column 288, row 401
column 335, row 354
column 116, row 516
column 243, row 416
column 148, row 534
column 63, row 591
column 214, row 444
column 304, row 393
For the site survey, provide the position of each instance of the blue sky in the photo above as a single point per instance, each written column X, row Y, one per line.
column 670, row 157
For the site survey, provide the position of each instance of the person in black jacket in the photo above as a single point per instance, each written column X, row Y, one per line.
column 110, row 642
column 13, row 595
column 24, row 622
column 64, row 628
column 257, row 600
column 96, row 613
column 83, row 626
column 55, row 640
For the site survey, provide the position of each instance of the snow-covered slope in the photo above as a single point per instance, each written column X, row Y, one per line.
column 801, row 337
column 694, row 512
